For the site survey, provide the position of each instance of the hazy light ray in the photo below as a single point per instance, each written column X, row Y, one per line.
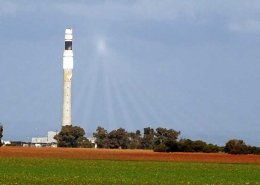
column 154, row 106
column 180, row 116
column 120, row 100
column 127, row 86
column 141, row 113
column 155, row 109
column 91, row 90
column 147, row 107
column 135, row 104
column 105, row 59
column 127, row 106
column 78, row 95
column 118, row 86
column 144, row 103
column 108, row 97
column 139, row 96
column 110, row 64
column 157, row 106
column 184, row 115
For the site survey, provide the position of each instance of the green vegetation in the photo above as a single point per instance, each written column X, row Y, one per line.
column 165, row 140
column 1, row 134
column 73, row 171
column 235, row 146
column 160, row 140
column 72, row 136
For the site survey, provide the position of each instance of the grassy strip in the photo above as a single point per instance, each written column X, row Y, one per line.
column 71, row 171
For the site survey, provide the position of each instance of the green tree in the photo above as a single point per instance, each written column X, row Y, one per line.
column 135, row 139
column 186, row 145
column 1, row 134
column 254, row 150
column 147, row 140
column 199, row 146
column 211, row 148
column 118, row 139
column 235, row 146
column 72, row 136
column 165, row 140
column 101, row 136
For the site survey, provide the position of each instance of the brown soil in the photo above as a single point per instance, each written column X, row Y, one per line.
column 109, row 154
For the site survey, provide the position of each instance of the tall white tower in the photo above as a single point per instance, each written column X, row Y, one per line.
column 67, row 68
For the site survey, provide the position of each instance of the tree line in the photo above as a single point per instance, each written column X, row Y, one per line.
column 158, row 140
column 1, row 133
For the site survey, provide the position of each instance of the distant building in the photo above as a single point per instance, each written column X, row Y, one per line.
column 45, row 141
column 93, row 141
column 14, row 143
column 6, row 142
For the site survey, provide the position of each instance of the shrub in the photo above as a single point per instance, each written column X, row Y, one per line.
column 235, row 146
column 161, row 148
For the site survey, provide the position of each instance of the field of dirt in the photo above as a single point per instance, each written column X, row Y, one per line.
column 110, row 154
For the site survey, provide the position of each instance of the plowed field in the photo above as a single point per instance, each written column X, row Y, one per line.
column 109, row 154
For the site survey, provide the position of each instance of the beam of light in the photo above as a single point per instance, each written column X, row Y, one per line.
column 138, row 108
column 176, row 115
column 108, row 96
column 150, row 107
column 129, row 107
column 116, row 116
column 113, row 68
column 140, row 101
column 120, row 99
column 87, row 93
column 133, row 105
column 125, row 97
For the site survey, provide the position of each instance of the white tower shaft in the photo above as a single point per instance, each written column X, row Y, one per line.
column 67, row 68
column 66, row 120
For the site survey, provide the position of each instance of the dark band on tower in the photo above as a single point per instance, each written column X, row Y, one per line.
column 68, row 45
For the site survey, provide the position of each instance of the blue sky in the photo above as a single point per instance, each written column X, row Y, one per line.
column 188, row 65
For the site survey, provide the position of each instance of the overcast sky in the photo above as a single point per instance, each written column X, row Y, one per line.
column 193, row 66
